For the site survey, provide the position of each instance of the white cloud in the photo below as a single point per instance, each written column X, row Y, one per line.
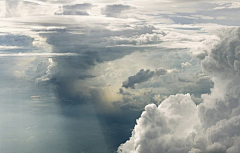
column 218, row 128
column 163, row 128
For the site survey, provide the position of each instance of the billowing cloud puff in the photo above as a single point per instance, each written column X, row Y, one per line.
column 178, row 126
column 164, row 128
column 142, row 76
column 115, row 10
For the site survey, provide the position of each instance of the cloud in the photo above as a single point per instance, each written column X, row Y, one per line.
column 72, row 77
column 76, row 9
column 142, row 76
column 115, row 10
column 162, row 128
column 84, row 6
column 12, row 7
column 91, row 44
column 98, row 39
column 212, row 126
column 15, row 40
column 185, row 65
column 156, row 89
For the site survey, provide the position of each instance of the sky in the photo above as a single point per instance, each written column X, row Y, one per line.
column 125, row 76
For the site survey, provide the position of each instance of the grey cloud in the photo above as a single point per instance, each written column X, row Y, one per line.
column 92, row 46
column 77, row 9
column 84, row 6
column 15, row 40
column 114, row 10
column 142, row 76
column 226, row 55
column 197, row 87
column 73, row 13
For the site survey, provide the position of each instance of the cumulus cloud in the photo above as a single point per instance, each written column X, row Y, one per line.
column 142, row 76
column 164, row 127
column 212, row 126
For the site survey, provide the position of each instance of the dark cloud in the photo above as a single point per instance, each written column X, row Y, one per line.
column 142, row 76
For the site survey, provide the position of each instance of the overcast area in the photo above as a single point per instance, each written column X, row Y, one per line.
column 124, row 76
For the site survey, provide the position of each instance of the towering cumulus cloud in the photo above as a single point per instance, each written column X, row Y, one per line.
column 177, row 125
